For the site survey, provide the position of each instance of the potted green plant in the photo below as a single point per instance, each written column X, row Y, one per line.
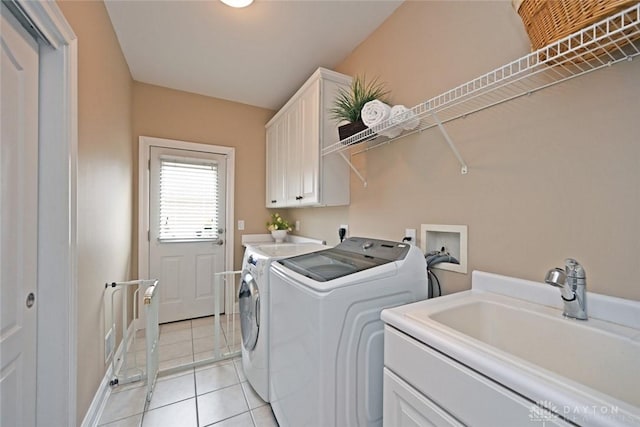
column 349, row 102
column 278, row 227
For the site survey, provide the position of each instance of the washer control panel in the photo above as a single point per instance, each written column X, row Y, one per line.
column 385, row 249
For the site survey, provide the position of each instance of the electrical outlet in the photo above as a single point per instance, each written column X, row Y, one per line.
column 240, row 224
column 297, row 225
column 346, row 232
column 411, row 232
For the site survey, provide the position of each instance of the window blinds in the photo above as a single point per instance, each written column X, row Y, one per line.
column 188, row 199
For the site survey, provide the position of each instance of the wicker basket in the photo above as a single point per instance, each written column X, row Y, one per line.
column 549, row 20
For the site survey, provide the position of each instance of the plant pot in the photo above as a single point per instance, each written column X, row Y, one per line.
column 279, row 235
column 350, row 129
column 345, row 131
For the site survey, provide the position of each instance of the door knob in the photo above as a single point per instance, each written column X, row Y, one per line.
column 220, row 242
column 31, row 299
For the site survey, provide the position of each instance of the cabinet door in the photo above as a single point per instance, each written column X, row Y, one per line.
column 293, row 163
column 276, row 152
column 270, row 154
column 309, row 146
column 404, row 406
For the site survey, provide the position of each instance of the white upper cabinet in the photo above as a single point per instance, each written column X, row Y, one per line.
column 297, row 175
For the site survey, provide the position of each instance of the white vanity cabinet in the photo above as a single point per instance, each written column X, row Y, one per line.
column 423, row 387
column 296, row 174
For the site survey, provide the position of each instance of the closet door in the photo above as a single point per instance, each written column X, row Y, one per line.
column 19, row 218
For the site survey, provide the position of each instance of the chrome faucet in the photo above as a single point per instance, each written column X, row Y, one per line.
column 572, row 282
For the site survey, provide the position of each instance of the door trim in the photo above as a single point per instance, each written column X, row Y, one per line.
column 145, row 142
column 56, row 371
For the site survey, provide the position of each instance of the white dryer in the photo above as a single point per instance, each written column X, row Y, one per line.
column 253, row 299
column 326, row 347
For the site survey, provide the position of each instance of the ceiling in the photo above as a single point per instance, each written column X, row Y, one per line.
column 259, row 55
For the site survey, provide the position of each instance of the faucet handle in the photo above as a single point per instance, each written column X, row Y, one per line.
column 574, row 269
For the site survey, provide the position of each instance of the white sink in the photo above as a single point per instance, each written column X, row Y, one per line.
column 513, row 331
column 602, row 356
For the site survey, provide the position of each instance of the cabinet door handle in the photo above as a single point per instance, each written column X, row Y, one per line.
column 298, row 197
column 273, row 201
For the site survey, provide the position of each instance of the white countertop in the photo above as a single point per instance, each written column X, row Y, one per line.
column 257, row 239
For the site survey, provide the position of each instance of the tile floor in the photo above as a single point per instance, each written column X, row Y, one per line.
column 216, row 394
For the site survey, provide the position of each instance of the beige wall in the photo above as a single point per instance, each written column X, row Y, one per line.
column 552, row 175
column 104, row 182
column 172, row 114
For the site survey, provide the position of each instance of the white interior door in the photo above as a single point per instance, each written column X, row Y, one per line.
column 18, row 216
column 187, row 193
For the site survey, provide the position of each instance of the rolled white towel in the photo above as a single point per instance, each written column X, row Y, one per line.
column 404, row 117
column 375, row 112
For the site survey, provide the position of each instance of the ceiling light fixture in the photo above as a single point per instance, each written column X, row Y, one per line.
column 237, row 3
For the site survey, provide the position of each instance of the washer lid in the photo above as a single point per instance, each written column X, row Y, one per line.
column 351, row 256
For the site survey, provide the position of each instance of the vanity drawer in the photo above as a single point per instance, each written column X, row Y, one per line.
column 404, row 406
column 470, row 397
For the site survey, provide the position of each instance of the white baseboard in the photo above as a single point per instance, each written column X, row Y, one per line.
column 99, row 402
column 92, row 417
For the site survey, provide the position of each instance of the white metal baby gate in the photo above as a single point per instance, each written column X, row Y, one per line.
column 224, row 284
column 152, row 336
column 125, row 366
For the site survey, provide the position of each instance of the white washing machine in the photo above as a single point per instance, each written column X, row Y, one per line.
column 253, row 299
column 326, row 347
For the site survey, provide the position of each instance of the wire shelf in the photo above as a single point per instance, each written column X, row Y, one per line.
column 600, row 45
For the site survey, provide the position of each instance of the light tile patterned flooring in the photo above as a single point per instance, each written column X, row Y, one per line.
column 216, row 394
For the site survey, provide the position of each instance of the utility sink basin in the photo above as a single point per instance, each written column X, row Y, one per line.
column 605, row 357
column 513, row 332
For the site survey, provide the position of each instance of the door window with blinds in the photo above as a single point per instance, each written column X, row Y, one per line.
column 189, row 205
